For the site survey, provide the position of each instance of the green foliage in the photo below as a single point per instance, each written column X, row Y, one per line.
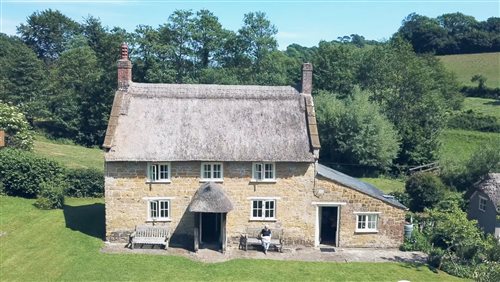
column 354, row 131
column 22, row 172
column 417, row 242
column 85, row 183
column 414, row 92
column 425, row 191
column 463, row 176
column 402, row 197
column 51, row 194
column 470, row 120
column 15, row 125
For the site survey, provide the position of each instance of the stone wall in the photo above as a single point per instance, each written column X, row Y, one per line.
column 126, row 188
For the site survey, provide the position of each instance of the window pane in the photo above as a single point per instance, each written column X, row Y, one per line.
column 164, row 209
column 257, row 209
column 268, row 171
column 154, row 172
column 207, row 171
column 153, row 207
column 217, row 171
column 258, row 171
column 164, row 172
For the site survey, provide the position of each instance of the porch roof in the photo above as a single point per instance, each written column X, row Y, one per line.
column 210, row 198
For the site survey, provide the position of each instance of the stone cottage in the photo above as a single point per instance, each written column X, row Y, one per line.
column 484, row 204
column 211, row 161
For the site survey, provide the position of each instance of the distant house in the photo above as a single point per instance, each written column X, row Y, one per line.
column 211, row 161
column 484, row 204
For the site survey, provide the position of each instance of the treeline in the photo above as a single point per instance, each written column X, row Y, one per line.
column 62, row 75
column 453, row 33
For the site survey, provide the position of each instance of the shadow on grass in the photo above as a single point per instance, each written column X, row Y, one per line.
column 87, row 219
column 493, row 103
column 416, row 262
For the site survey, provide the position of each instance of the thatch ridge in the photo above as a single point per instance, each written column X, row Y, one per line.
column 210, row 197
column 491, row 187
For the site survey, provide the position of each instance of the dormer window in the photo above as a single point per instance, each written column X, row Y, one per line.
column 264, row 172
column 159, row 172
column 482, row 203
column 212, row 172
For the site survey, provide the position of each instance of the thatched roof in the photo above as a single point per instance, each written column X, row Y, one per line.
column 357, row 185
column 183, row 122
column 491, row 187
column 210, row 197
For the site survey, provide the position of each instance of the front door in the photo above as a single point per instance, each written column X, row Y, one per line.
column 210, row 228
column 329, row 225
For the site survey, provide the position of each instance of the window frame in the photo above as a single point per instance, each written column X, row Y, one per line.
column 212, row 178
column 263, row 208
column 157, row 200
column 481, row 198
column 263, row 172
column 160, row 180
column 367, row 221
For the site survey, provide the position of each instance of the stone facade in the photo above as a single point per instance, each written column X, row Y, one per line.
column 294, row 191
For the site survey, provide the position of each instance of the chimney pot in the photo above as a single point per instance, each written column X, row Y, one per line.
column 124, row 68
column 307, row 69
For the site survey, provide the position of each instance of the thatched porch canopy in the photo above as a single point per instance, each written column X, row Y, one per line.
column 210, row 198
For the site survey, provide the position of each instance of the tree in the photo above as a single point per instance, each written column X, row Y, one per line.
column 208, row 37
column 23, row 78
column 425, row 191
column 353, row 131
column 15, row 125
column 47, row 33
column 413, row 92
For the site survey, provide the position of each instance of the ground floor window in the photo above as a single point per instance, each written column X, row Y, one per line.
column 263, row 209
column 158, row 209
column 366, row 222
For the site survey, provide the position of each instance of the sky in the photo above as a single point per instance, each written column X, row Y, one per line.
column 298, row 21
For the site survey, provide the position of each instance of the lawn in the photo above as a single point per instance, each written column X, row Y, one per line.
column 64, row 244
column 73, row 156
column 489, row 107
column 467, row 65
column 459, row 145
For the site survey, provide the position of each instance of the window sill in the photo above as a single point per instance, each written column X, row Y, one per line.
column 159, row 182
column 262, row 219
column 212, row 180
column 269, row 181
column 366, row 231
column 158, row 220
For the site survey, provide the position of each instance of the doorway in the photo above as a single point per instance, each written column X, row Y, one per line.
column 210, row 229
column 329, row 225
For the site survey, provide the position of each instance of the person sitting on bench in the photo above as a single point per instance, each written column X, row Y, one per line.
column 265, row 237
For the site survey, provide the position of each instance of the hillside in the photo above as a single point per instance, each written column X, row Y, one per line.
column 467, row 65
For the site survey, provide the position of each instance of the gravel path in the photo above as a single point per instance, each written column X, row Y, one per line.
column 299, row 254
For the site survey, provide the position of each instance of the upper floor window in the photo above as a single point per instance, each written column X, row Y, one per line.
column 263, row 172
column 482, row 203
column 212, row 171
column 159, row 172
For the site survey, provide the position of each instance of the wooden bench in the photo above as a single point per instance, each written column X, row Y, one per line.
column 252, row 235
column 152, row 235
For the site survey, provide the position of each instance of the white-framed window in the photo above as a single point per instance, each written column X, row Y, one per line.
column 264, row 172
column 159, row 172
column 482, row 203
column 212, row 172
column 158, row 209
column 263, row 209
column 367, row 222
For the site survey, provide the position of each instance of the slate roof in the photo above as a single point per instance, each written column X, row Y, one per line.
column 357, row 185
column 186, row 122
column 491, row 187
column 210, row 197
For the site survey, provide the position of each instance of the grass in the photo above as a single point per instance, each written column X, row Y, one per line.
column 387, row 185
column 489, row 107
column 459, row 145
column 72, row 156
column 39, row 245
column 467, row 65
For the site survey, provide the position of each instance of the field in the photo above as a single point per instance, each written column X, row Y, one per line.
column 387, row 185
column 490, row 107
column 459, row 145
column 467, row 65
column 69, row 155
column 39, row 245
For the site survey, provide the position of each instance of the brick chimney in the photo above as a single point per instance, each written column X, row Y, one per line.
column 307, row 70
column 124, row 68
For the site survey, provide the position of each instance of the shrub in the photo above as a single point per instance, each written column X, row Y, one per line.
column 417, row 242
column 435, row 256
column 21, row 172
column 487, row 271
column 402, row 197
column 51, row 195
column 470, row 120
column 425, row 190
column 85, row 183
column 17, row 128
